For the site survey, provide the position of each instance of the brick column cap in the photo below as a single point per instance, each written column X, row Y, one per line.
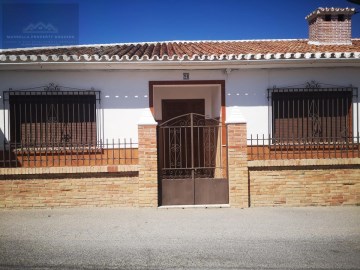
column 235, row 116
column 147, row 119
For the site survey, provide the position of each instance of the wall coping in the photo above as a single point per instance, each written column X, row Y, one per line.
column 147, row 119
column 64, row 170
column 235, row 116
column 132, row 168
column 304, row 162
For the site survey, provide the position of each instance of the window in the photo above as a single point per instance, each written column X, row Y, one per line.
column 52, row 118
column 311, row 114
column 341, row 17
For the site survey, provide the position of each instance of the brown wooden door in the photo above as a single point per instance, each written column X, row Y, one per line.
column 175, row 107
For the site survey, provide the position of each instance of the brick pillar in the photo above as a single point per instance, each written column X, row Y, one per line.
column 237, row 159
column 148, row 177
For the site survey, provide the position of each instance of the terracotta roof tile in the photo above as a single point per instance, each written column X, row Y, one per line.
column 133, row 50
column 124, row 50
column 206, row 50
column 149, row 50
column 163, row 50
column 156, row 50
column 141, row 50
column 171, row 51
column 177, row 49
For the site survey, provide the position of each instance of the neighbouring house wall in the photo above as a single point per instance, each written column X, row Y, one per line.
column 315, row 184
column 125, row 93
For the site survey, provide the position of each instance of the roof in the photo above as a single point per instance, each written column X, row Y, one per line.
column 246, row 50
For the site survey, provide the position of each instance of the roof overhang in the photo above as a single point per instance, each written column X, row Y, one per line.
column 185, row 65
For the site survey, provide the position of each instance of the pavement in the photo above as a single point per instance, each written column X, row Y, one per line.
column 122, row 238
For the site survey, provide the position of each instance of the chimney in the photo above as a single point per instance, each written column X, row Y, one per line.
column 330, row 26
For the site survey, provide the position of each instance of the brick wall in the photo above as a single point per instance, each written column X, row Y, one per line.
column 305, row 185
column 302, row 182
column 237, row 162
column 68, row 192
column 330, row 32
column 132, row 185
column 148, row 177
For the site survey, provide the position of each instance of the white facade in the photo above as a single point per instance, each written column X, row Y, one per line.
column 125, row 93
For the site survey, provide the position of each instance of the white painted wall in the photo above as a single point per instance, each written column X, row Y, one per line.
column 248, row 89
column 125, row 93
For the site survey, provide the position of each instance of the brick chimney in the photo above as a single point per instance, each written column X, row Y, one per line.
column 330, row 26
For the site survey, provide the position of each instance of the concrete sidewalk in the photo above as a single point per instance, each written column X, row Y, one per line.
column 118, row 238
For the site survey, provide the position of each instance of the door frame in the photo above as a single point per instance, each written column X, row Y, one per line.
column 221, row 83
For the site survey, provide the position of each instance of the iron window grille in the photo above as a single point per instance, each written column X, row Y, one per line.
column 51, row 117
column 313, row 113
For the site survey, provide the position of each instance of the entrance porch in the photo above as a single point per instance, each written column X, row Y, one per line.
column 197, row 162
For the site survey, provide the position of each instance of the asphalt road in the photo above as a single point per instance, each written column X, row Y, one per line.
column 118, row 238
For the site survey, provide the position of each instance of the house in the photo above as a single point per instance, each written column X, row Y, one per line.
column 240, row 123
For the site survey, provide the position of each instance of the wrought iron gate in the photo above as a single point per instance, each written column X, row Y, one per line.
column 193, row 161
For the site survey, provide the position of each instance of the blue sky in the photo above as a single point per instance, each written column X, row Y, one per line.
column 111, row 21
